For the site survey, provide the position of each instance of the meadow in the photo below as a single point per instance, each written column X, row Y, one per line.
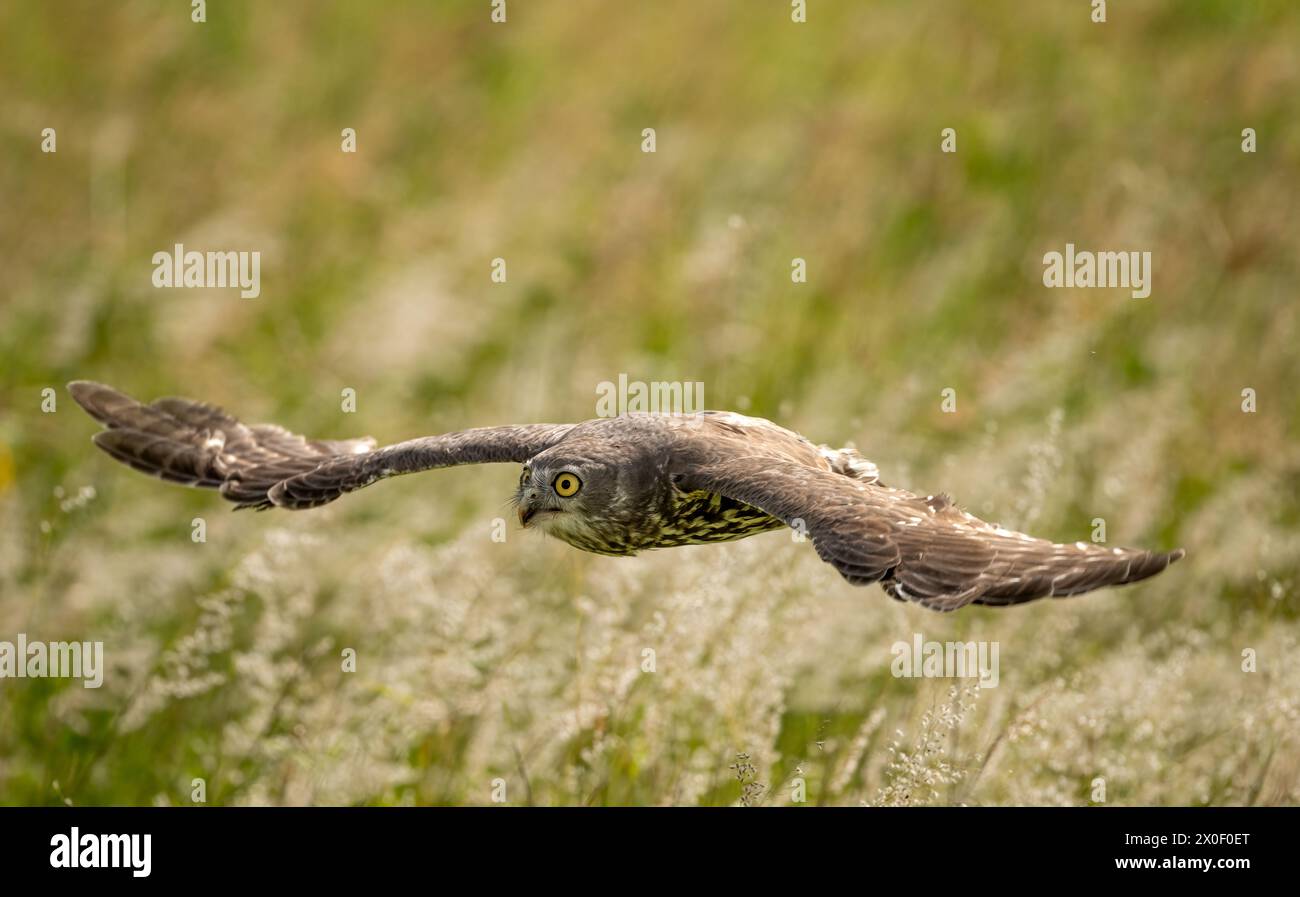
column 516, row 671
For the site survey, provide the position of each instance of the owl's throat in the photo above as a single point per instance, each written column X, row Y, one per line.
column 574, row 529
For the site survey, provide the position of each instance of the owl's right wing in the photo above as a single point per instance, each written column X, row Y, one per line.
column 266, row 466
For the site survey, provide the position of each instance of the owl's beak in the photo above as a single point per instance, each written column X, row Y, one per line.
column 529, row 506
column 534, row 504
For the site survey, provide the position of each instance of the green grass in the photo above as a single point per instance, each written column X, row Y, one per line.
column 521, row 661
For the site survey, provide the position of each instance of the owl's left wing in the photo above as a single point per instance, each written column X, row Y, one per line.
column 264, row 466
column 919, row 549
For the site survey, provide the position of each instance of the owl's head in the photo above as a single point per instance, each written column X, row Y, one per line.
column 554, row 488
column 582, row 499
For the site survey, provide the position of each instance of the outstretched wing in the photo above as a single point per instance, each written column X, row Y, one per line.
column 266, row 466
column 919, row 549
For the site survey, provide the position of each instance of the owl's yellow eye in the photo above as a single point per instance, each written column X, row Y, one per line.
column 566, row 484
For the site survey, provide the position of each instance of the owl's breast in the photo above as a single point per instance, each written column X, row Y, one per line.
column 694, row 518
column 697, row 518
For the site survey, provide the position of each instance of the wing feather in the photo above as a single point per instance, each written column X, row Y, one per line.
column 924, row 550
column 265, row 465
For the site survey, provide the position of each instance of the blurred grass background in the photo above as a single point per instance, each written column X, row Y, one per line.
column 520, row 661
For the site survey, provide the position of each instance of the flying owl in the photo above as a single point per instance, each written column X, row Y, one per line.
column 616, row 486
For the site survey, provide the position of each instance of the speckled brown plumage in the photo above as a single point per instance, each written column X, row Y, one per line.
column 644, row 481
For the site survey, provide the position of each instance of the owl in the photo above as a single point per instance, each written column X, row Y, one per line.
column 618, row 486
